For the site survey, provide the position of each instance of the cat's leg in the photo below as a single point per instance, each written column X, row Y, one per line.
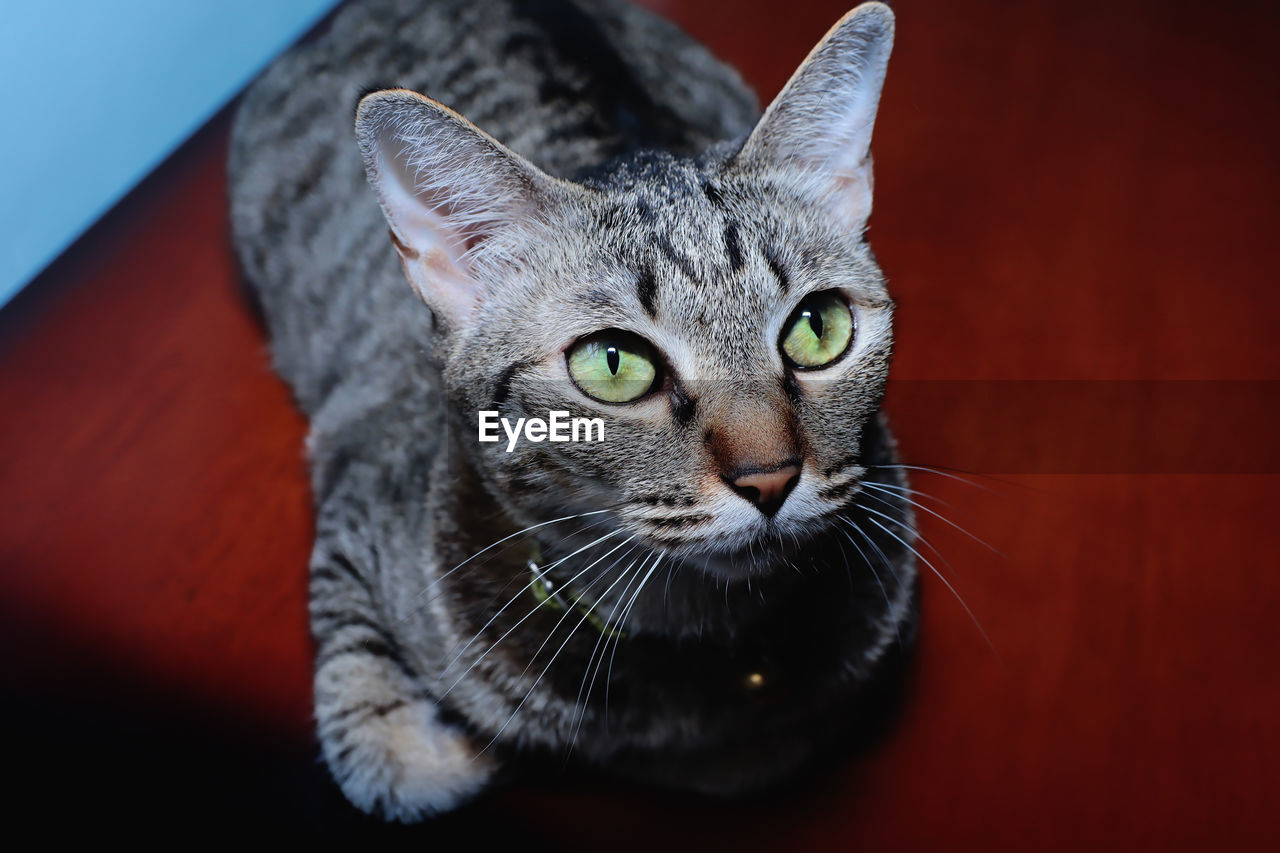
column 381, row 735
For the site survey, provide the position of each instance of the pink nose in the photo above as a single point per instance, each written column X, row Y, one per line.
column 767, row 489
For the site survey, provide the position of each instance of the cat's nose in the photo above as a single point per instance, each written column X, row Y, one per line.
column 767, row 489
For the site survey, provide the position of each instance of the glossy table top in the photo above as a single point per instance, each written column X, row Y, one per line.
column 1064, row 191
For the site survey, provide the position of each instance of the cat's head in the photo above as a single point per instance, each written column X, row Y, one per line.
column 722, row 315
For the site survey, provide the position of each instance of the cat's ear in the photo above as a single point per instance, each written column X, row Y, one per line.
column 821, row 121
column 451, row 194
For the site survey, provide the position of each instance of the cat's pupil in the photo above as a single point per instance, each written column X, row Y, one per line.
column 815, row 322
column 611, row 356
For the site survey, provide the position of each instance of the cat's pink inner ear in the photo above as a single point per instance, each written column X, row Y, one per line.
column 851, row 191
column 820, row 124
column 432, row 245
column 454, row 197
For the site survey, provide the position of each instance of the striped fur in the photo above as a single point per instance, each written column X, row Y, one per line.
column 608, row 173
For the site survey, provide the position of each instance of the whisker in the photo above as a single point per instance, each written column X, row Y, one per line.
column 617, row 640
column 515, row 578
column 894, row 487
column 550, row 663
column 493, row 545
column 601, row 639
column 622, row 620
column 954, row 473
column 884, row 558
column 887, row 604
column 939, row 472
column 516, row 598
column 568, row 611
column 914, row 531
column 666, row 590
column 945, row 582
column 940, row 517
column 848, row 568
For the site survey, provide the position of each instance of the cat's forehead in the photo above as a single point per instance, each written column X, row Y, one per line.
column 653, row 174
column 681, row 249
column 655, row 199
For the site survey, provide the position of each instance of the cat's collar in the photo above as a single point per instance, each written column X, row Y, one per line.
column 556, row 597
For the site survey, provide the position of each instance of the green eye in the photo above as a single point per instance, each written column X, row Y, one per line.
column 612, row 366
column 819, row 331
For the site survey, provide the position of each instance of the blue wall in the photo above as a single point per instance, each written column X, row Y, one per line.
column 95, row 93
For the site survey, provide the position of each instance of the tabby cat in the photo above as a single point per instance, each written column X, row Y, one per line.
column 704, row 598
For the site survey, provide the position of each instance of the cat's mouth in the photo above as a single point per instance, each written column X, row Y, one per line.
column 764, row 554
column 730, row 546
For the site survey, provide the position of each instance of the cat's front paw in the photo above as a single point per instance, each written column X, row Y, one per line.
column 402, row 763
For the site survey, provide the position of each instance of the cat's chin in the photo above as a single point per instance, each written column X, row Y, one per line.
column 760, row 558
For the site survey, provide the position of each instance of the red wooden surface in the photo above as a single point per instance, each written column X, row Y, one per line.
column 1064, row 191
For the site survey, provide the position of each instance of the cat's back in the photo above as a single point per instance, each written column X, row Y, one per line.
column 567, row 83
